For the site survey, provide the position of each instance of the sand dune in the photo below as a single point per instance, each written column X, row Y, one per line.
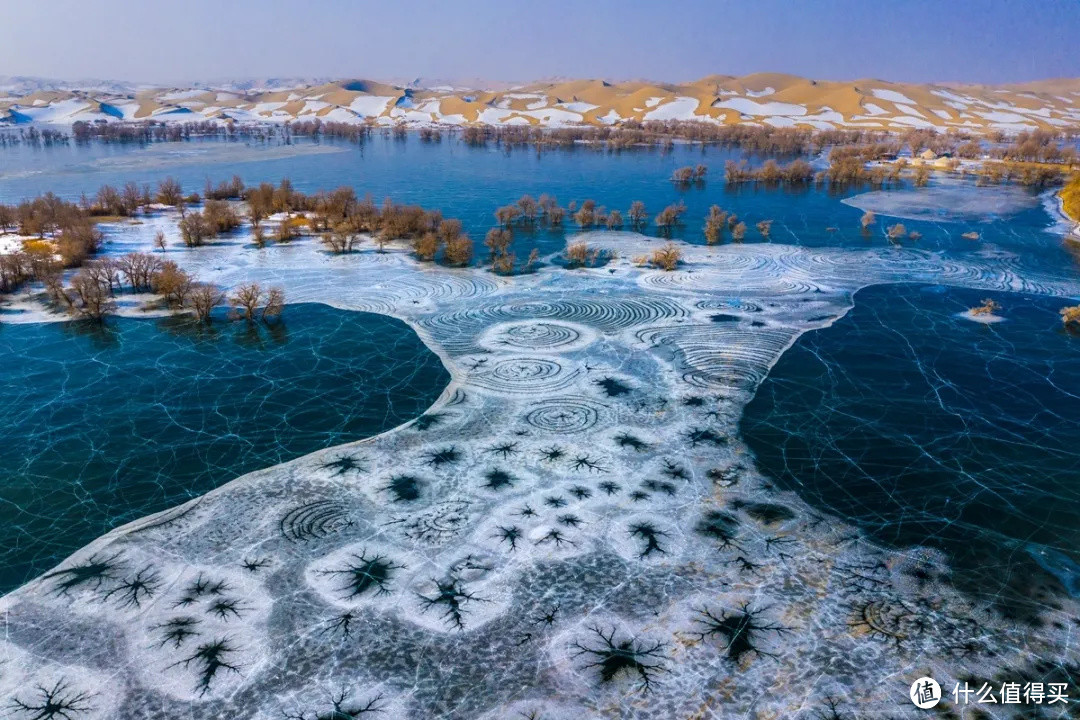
column 758, row 99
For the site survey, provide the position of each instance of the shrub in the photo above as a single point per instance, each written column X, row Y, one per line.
column 667, row 257
column 459, row 250
column 988, row 307
column 173, row 284
column 426, row 247
column 1070, row 198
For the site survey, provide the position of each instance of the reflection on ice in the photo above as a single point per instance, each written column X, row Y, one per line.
column 950, row 202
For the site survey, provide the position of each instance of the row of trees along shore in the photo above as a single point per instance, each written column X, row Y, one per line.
column 67, row 236
column 338, row 217
column 1034, row 146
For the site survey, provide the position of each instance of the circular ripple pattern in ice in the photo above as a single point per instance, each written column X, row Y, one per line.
column 574, row 531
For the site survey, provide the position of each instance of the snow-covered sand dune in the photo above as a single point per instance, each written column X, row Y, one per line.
column 778, row 100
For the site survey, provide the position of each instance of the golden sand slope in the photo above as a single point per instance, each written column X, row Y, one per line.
column 760, row 99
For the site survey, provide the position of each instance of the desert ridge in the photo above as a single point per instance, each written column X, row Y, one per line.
column 760, row 99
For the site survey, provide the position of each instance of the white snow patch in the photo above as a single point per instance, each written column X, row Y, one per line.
column 908, row 110
column 266, row 107
column 62, row 111
column 369, row 105
column 611, row 117
column 892, row 96
column 313, row 106
column 1002, row 117
column 579, row 107
column 681, row 108
column 912, row 121
column 182, row 94
column 749, row 107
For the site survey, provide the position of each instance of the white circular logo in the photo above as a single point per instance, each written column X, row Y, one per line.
column 925, row 693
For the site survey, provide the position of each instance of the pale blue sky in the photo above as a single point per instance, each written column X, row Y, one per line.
column 515, row 40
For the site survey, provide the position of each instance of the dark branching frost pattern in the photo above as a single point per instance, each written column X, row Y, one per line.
column 585, row 524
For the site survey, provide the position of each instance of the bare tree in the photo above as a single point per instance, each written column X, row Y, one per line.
column 173, row 284
column 868, row 218
column 246, row 300
column 274, row 303
column 194, row 229
column 529, row 208
column 507, row 215
column 715, row 222
column 170, row 192
column 92, row 298
column 139, row 270
column 204, row 298
column 250, row 302
column 340, row 240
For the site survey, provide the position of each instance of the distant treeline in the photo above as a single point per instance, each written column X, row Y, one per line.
column 1042, row 146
